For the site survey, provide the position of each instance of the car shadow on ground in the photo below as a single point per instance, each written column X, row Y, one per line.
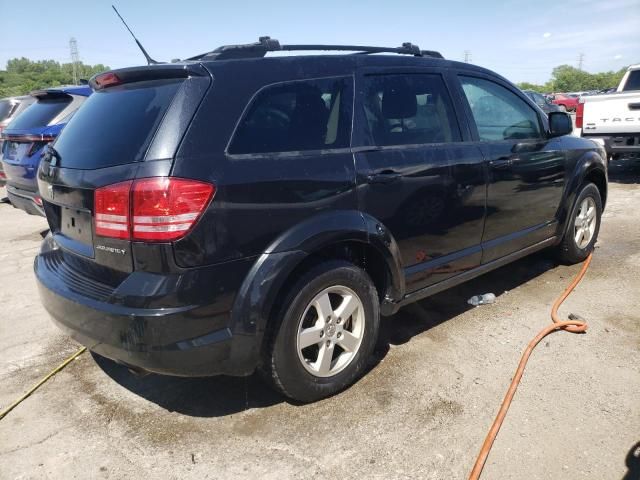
column 220, row 396
column 625, row 170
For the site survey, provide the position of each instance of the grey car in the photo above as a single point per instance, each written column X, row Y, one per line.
column 541, row 101
column 10, row 108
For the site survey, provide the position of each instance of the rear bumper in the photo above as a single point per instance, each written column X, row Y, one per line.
column 618, row 144
column 25, row 200
column 189, row 340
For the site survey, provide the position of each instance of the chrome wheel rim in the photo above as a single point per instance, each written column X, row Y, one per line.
column 585, row 223
column 330, row 331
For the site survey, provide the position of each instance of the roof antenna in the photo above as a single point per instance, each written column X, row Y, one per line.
column 150, row 61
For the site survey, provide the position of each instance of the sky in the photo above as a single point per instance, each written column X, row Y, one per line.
column 520, row 39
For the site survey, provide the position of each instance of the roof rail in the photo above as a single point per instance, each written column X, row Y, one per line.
column 268, row 44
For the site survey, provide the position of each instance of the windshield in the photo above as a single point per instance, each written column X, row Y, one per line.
column 115, row 126
column 40, row 113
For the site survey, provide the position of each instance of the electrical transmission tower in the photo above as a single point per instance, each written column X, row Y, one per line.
column 580, row 61
column 75, row 59
column 467, row 56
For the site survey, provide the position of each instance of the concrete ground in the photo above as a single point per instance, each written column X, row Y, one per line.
column 423, row 410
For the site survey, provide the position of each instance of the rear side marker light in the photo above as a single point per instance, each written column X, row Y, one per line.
column 38, row 201
column 158, row 209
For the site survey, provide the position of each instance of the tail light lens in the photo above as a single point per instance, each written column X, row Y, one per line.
column 158, row 209
column 579, row 114
column 112, row 210
column 3, row 175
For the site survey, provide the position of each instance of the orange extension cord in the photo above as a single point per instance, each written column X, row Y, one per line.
column 574, row 326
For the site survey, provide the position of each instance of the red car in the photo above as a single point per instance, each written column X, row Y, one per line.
column 569, row 102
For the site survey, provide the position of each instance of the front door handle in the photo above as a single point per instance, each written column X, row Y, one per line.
column 501, row 163
column 385, row 177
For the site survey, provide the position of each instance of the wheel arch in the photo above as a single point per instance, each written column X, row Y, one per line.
column 590, row 167
column 345, row 235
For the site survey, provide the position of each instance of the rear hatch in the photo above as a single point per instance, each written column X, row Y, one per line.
column 129, row 128
column 34, row 128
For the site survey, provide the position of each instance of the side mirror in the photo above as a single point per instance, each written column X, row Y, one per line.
column 560, row 124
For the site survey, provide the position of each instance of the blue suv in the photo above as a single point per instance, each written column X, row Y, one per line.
column 27, row 135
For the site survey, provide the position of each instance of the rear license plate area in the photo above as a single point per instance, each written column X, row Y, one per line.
column 76, row 225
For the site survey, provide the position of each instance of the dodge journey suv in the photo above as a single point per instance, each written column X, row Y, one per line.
column 239, row 211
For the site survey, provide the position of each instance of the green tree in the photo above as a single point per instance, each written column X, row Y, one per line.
column 531, row 86
column 23, row 75
column 566, row 78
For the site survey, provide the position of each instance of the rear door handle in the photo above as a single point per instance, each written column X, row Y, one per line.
column 385, row 177
column 501, row 163
column 634, row 106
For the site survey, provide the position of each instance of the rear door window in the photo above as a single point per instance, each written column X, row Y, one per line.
column 40, row 113
column 297, row 116
column 633, row 81
column 115, row 126
column 499, row 113
column 408, row 110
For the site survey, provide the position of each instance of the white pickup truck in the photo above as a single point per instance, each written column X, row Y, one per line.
column 613, row 120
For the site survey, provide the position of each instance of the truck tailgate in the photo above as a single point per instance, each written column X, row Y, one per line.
column 616, row 113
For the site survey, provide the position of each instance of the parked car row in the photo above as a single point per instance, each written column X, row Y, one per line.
column 25, row 137
column 10, row 108
column 200, row 225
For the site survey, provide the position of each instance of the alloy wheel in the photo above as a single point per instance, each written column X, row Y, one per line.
column 585, row 223
column 330, row 331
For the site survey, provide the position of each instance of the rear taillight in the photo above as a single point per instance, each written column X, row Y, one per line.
column 579, row 114
column 112, row 210
column 3, row 175
column 160, row 209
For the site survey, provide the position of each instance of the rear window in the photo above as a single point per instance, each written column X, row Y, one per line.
column 116, row 125
column 40, row 113
column 5, row 109
column 633, row 81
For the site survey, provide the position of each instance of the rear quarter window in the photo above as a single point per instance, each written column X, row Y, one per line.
column 115, row 126
column 5, row 109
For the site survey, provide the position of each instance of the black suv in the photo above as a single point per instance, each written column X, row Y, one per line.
column 237, row 211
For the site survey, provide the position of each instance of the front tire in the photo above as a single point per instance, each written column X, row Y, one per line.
column 584, row 226
column 325, row 334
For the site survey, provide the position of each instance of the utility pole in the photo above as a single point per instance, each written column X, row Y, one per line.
column 75, row 59
column 467, row 56
column 580, row 60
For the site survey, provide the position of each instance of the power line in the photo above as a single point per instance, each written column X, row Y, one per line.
column 75, row 58
column 580, row 61
column 467, row 56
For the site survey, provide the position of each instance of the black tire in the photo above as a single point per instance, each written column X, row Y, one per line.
column 282, row 366
column 569, row 251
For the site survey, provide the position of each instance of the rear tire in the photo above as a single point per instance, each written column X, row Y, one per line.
column 583, row 226
column 325, row 333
